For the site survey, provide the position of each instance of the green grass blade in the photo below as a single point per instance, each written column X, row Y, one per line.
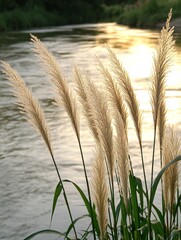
column 140, row 192
column 175, row 235
column 87, row 205
column 134, row 201
column 176, row 207
column 72, row 224
column 49, row 231
column 157, row 179
column 159, row 215
column 57, row 193
column 157, row 227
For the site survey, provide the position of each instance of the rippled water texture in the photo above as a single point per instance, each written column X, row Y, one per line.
column 27, row 176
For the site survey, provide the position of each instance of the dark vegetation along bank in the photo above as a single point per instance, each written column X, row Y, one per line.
column 18, row 14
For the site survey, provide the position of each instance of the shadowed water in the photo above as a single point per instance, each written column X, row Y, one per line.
column 27, row 175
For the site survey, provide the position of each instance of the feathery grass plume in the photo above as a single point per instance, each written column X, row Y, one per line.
column 103, row 122
column 114, row 93
column 100, row 191
column 162, row 125
column 130, row 98
column 171, row 149
column 28, row 104
column 64, row 93
column 128, row 91
column 162, row 61
column 82, row 91
column 121, row 149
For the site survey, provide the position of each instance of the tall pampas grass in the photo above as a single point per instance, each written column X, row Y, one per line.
column 100, row 191
column 82, row 89
column 103, row 123
column 114, row 93
column 161, row 66
column 162, row 61
column 130, row 98
column 121, row 149
column 28, row 104
column 124, row 81
column 32, row 110
column 65, row 95
column 171, row 149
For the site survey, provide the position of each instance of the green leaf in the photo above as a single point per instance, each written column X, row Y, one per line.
column 118, row 208
column 49, row 231
column 134, row 201
column 140, row 191
column 57, row 193
column 87, row 205
column 157, row 179
column 158, row 228
column 175, row 235
column 159, row 214
column 73, row 223
column 176, row 207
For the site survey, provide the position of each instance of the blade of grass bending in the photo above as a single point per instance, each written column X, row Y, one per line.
column 176, row 208
column 64, row 193
column 157, row 228
column 156, row 182
column 87, row 205
column 159, row 215
column 88, row 187
column 158, row 178
column 175, row 235
column 72, row 224
column 124, row 224
column 140, row 191
column 134, row 200
column 57, row 193
column 49, row 231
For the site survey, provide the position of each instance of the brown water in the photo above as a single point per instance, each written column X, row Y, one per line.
column 27, row 176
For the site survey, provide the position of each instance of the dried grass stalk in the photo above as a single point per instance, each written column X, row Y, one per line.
column 64, row 93
column 128, row 93
column 103, row 122
column 171, row 149
column 114, row 93
column 162, row 61
column 100, row 191
column 82, row 90
column 28, row 104
column 121, row 149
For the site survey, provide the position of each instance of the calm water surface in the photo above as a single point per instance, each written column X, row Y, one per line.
column 27, row 176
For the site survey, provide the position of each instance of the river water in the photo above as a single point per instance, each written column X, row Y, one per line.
column 27, row 175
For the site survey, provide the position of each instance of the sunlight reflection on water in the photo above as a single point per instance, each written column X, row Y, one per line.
column 27, row 176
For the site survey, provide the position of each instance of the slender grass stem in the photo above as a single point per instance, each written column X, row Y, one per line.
column 110, row 220
column 143, row 167
column 64, row 193
column 131, row 166
column 88, row 188
column 152, row 169
column 163, row 200
column 113, row 209
column 153, row 156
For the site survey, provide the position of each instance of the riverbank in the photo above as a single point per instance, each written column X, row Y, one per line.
column 140, row 14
